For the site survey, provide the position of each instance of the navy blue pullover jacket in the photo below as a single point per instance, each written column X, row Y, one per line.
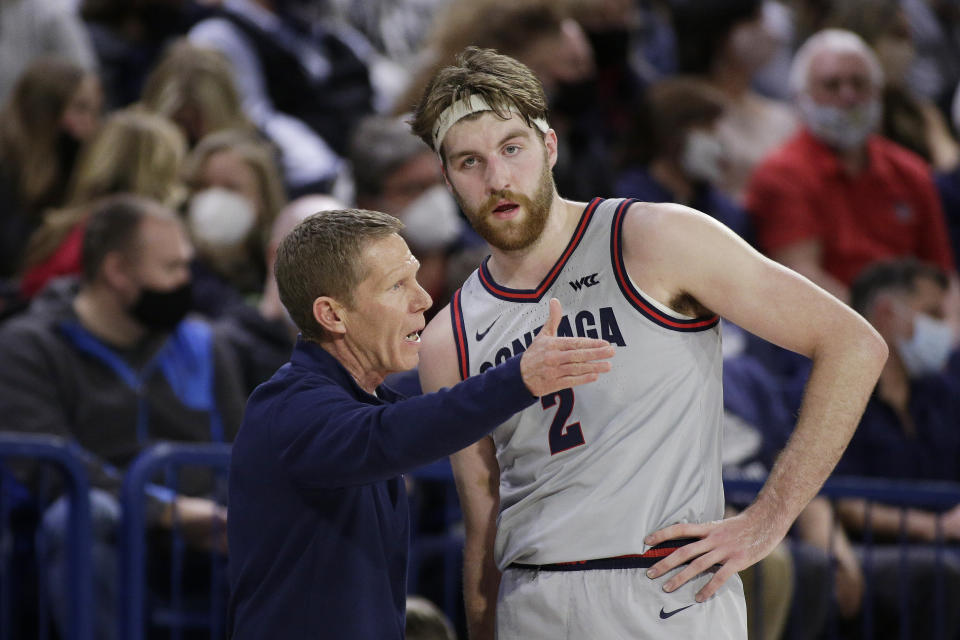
column 318, row 520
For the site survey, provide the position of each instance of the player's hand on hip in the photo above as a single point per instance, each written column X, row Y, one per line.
column 551, row 363
column 730, row 545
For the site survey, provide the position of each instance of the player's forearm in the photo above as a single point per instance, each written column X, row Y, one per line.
column 481, row 581
column 845, row 371
column 477, row 475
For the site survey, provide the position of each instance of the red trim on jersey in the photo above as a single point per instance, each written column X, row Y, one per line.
column 459, row 335
column 536, row 294
column 632, row 293
column 655, row 552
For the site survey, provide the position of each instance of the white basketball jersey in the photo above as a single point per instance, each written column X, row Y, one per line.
column 588, row 472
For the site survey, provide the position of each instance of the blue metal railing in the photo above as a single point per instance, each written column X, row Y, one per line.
column 67, row 458
column 160, row 457
column 164, row 457
column 930, row 495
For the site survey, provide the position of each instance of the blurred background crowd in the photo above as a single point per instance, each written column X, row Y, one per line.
column 154, row 152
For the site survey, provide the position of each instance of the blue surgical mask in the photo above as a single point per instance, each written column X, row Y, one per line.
column 929, row 349
column 843, row 129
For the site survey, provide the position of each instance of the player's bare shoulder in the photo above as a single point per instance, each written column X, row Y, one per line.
column 655, row 232
column 438, row 353
column 664, row 246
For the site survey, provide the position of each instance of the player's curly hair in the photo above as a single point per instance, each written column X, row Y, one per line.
column 500, row 80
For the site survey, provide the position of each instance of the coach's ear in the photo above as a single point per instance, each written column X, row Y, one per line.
column 329, row 315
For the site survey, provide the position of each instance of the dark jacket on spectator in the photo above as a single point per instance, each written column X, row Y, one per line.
column 58, row 378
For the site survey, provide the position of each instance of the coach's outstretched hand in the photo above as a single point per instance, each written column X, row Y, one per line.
column 551, row 364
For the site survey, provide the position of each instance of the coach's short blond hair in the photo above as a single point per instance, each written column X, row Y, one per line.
column 322, row 257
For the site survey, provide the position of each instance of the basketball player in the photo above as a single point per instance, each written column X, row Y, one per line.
column 597, row 512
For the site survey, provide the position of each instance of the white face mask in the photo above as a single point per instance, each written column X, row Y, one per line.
column 842, row 129
column 220, row 218
column 431, row 221
column 929, row 348
column 703, row 156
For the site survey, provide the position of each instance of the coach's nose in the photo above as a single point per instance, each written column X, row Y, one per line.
column 421, row 299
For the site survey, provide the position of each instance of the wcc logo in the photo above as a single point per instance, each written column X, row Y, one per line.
column 585, row 281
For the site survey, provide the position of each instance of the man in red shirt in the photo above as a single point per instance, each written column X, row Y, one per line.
column 837, row 197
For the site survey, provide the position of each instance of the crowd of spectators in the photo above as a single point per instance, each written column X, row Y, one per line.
column 154, row 152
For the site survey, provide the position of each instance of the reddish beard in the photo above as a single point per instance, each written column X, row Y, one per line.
column 513, row 235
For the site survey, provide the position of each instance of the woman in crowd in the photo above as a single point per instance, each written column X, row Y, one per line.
column 194, row 87
column 135, row 152
column 54, row 107
column 236, row 195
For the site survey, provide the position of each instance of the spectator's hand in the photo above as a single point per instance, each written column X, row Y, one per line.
column 551, row 364
column 203, row 522
column 849, row 586
column 950, row 524
column 725, row 546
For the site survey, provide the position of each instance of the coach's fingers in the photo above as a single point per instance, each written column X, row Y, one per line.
column 581, row 368
column 553, row 322
column 600, row 351
column 577, row 344
column 575, row 381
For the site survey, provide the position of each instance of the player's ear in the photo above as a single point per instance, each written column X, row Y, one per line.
column 887, row 316
column 443, row 171
column 550, row 142
column 329, row 314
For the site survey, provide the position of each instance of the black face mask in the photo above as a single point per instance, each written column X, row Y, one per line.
column 611, row 46
column 68, row 148
column 162, row 20
column 162, row 310
column 574, row 98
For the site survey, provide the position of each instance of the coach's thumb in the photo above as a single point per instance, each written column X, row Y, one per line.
column 553, row 322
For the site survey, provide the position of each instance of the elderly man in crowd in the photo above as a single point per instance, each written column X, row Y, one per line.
column 837, row 197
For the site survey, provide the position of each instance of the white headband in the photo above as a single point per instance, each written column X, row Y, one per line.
column 464, row 107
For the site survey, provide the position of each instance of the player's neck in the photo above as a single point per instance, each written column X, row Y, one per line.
column 526, row 268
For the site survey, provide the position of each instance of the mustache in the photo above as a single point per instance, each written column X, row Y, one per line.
column 490, row 203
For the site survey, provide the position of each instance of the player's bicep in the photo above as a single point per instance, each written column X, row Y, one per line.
column 701, row 257
column 438, row 366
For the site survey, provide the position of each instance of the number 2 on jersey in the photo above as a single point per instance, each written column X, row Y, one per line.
column 563, row 436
